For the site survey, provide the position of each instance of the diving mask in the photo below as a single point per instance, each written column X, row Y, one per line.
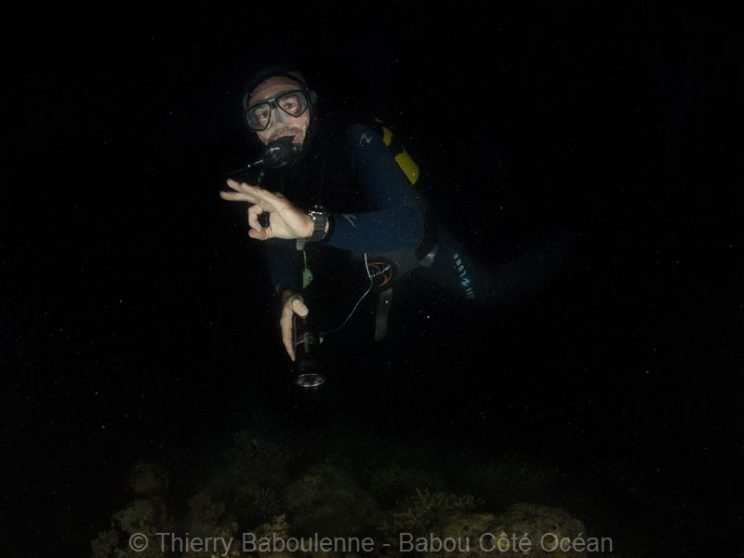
column 292, row 103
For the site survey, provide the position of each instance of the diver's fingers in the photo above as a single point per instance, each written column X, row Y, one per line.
column 237, row 196
column 234, row 184
column 273, row 201
column 253, row 212
column 259, row 235
column 237, row 186
column 285, row 324
column 299, row 308
column 287, row 341
column 257, row 231
column 293, row 305
column 256, row 192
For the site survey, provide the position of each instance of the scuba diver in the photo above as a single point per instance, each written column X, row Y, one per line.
column 334, row 191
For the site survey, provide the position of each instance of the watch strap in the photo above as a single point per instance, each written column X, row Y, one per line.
column 319, row 220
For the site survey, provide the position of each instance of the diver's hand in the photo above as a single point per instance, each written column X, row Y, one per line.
column 292, row 303
column 286, row 220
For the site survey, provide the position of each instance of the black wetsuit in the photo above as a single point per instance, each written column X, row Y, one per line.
column 352, row 174
column 347, row 168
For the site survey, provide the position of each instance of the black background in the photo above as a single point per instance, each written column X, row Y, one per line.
column 134, row 321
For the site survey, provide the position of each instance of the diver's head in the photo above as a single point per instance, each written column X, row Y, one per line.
column 278, row 103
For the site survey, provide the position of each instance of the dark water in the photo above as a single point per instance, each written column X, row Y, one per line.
column 135, row 324
column 616, row 403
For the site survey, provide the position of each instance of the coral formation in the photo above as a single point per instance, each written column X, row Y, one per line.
column 327, row 500
column 250, row 489
column 393, row 483
column 425, row 511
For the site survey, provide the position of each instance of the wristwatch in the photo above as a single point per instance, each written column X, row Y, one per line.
column 320, row 218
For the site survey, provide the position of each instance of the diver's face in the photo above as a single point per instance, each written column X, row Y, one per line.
column 281, row 124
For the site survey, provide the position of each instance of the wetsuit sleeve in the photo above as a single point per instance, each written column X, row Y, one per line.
column 396, row 220
column 282, row 258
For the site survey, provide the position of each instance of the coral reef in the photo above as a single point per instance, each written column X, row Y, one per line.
column 250, row 489
column 425, row 511
column 142, row 516
column 524, row 529
column 253, row 504
column 146, row 514
column 327, row 500
column 391, row 484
